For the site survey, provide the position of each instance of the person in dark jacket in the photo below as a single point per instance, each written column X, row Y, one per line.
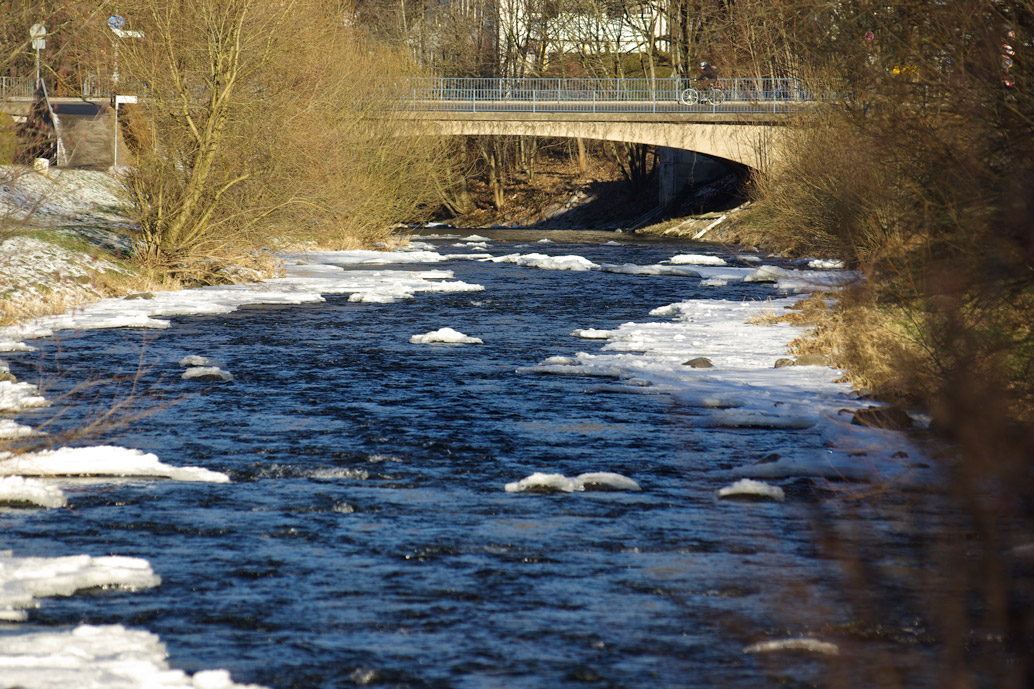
column 707, row 76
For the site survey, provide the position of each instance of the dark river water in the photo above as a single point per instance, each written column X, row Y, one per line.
column 366, row 538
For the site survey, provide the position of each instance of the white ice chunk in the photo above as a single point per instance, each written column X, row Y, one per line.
column 17, row 396
column 698, row 260
column 194, row 360
column 476, row 238
column 445, row 336
column 206, row 372
column 554, row 483
column 591, row 334
column 749, row 418
column 798, row 644
column 825, row 264
column 13, row 429
column 109, row 656
column 18, row 490
column 101, row 460
column 766, row 274
column 24, row 579
column 634, row 269
column 748, row 488
column 547, row 262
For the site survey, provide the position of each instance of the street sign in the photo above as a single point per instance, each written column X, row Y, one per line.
column 116, row 22
column 38, row 31
column 119, row 100
column 39, row 44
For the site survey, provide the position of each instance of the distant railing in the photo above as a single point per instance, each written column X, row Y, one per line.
column 17, row 87
column 596, row 95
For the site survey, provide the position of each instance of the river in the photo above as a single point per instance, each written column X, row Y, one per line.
column 366, row 537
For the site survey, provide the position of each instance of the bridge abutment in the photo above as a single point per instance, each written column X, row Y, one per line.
column 678, row 169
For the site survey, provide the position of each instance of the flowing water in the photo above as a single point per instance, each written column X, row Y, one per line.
column 366, row 538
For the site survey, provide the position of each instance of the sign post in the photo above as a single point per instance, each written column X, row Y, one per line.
column 119, row 100
column 38, row 33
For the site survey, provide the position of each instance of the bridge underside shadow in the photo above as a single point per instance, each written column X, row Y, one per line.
column 690, row 153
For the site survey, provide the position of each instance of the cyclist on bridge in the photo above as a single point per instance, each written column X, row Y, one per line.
column 707, row 77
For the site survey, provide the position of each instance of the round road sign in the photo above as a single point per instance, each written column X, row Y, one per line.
column 116, row 22
column 38, row 31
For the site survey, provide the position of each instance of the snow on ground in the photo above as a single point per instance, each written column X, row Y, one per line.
column 101, row 460
column 445, row 336
column 60, row 197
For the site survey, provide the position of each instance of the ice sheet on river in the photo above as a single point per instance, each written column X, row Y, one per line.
column 101, row 460
column 743, row 389
column 301, row 284
column 109, row 656
column 24, row 579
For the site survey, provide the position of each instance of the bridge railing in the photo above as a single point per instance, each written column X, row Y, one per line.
column 17, row 87
column 594, row 95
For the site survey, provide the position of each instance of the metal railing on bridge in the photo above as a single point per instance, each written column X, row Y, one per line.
column 17, row 87
column 543, row 95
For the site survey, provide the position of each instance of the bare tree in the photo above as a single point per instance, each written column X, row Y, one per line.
column 265, row 120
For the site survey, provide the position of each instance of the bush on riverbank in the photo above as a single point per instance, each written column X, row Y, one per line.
column 250, row 134
column 922, row 179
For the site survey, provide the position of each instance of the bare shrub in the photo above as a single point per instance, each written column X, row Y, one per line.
column 251, row 132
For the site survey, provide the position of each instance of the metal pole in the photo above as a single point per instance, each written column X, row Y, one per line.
column 114, row 163
column 37, row 67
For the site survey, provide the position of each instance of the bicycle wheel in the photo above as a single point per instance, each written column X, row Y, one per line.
column 689, row 97
column 717, row 96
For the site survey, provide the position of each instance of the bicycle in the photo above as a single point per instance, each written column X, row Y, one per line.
column 713, row 94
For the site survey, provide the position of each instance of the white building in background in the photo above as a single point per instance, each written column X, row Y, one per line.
column 541, row 29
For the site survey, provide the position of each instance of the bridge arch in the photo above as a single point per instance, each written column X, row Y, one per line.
column 738, row 140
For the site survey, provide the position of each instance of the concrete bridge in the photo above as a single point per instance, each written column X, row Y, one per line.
column 743, row 122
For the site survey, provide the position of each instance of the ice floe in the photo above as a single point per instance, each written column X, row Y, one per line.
column 17, row 396
column 206, row 373
column 746, row 488
column 743, row 389
column 802, row 644
column 24, row 579
column 101, row 460
column 301, row 283
column 108, row 656
column 558, row 483
column 657, row 269
column 15, row 490
column 445, row 336
column 193, row 360
column 698, row 260
column 547, row 262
